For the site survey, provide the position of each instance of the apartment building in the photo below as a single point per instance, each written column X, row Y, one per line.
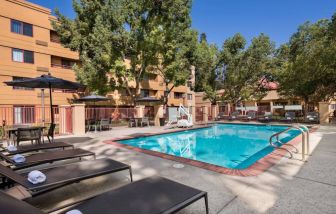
column 29, row 48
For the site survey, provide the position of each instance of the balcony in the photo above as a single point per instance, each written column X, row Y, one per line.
column 61, row 66
column 61, row 62
column 54, row 37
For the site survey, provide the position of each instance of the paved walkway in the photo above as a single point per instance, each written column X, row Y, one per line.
column 290, row 186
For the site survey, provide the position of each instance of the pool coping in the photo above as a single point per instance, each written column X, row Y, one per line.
column 255, row 169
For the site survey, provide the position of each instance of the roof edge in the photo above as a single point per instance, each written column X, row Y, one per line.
column 30, row 5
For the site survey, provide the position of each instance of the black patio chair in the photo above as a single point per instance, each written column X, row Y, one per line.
column 144, row 120
column 234, row 115
column 267, row 117
column 220, row 116
column 132, row 122
column 60, row 176
column 9, row 204
column 29, row 134
column 47, row 157
column 105, row 123
column 251, row 115
column 313, row 117
column 38, row 147
column 152, row 195
column 289, row 117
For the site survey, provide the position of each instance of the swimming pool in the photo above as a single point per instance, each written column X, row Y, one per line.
column 233, row 146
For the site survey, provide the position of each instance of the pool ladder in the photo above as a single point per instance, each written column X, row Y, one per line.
column 305, row 140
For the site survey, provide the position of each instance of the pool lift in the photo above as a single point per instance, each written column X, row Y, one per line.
column 305, row 140
column 184, row 123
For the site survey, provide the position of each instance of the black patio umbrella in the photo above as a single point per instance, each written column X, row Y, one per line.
column 46, row 81
column 148, row 99
column 93, row 98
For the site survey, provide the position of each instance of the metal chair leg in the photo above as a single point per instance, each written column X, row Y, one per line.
column 206, row 203
column 131, row 174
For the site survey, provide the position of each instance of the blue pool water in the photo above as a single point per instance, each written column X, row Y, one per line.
column 228, row 145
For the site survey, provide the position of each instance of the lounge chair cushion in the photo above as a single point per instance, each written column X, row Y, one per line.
column 36, row 147
column 57, row 177
column 151, row 195
column 46, row 157
column 9, row 204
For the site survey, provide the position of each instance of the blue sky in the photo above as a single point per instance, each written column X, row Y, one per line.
column 221, row 19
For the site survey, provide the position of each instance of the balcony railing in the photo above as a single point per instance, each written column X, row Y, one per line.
column 55, row 40
column 61, row 66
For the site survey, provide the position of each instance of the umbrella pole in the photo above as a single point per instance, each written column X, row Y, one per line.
column 51, row 114
column 43, row 113
column 95, row 116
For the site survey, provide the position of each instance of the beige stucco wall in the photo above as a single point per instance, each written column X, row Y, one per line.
column 324, row 111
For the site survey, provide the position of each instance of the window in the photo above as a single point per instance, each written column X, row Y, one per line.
column 333, row 106
column 16, row 26
column 19, row 55
column 67, row 63
column 149, row 76
column 24, row 114
column 190, row 96
column 21, row 88
column 21, row 28
column 178, row 95
column 62, row 62
column 144, row 93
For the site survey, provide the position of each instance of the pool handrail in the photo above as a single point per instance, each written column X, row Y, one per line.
column 303, row 132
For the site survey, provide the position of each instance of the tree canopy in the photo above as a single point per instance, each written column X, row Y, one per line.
column 95, row 34
column 147, row 34
column 308, row 68
column 207, row 62
column 247, row 68
column 120, row 41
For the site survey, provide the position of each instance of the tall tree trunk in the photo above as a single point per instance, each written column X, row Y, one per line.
column 165, row 99
column 137, row 93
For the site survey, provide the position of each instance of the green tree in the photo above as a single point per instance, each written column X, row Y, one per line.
column 309, row 71
column 246, row 69
column 174, row 44
column 208, row 66
column 148, row 34
column 156, row 40
column 95, row 34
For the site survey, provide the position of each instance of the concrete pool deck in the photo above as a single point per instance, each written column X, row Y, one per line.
column 290, row 186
